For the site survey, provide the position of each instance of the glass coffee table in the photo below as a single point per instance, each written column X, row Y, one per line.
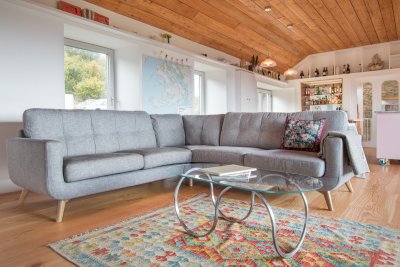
column 258, row 183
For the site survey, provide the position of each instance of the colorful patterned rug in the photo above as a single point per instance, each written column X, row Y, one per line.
column 157, row 239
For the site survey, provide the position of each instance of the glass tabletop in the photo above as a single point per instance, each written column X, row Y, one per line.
column 261, row 181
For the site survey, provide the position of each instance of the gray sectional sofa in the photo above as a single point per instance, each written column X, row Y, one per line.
column 67, row 154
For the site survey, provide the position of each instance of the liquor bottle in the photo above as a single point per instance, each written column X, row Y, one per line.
column 324, row 72
column 301, row 74
column 344, row 69
column 316, row 72
column 348, row 69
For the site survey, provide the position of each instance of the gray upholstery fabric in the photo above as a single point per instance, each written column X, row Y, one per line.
column 296, row 162
column 169, row 130
column 35, row 164
column 266, row 130
column 337, row 167
column 220, row 154
column 203, row 129
column 89, row 132
column 89, row 166
column 155, row 157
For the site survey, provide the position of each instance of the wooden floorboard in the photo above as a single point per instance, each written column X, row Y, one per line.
column 26, row 230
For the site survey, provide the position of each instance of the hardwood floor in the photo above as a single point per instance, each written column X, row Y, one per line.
column 26, row 230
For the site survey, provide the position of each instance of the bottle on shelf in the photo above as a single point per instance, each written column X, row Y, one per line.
column 359, row 68
column 344, row 69
column 348, row 69
column 301, row 74
column 324, row 71
column 316, row 72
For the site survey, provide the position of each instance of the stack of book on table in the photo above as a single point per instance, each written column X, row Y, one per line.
column 230, row 173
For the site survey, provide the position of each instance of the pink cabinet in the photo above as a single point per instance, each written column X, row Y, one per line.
column 388, row 135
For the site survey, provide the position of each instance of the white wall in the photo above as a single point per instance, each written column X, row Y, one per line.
column 128, row 78
column 31, row 46
column 283, row 100
column 215, row 92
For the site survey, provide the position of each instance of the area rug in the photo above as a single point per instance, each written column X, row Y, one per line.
column 157, row 239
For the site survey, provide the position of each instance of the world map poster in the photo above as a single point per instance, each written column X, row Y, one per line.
column 167, row 86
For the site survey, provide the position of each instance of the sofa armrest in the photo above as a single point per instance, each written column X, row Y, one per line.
column 35, row 164
column 337, row 168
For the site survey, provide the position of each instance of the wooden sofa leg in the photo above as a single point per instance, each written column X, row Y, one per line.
column 328, row 200
column 60, row 210
column 349, row 186
column 22, row 196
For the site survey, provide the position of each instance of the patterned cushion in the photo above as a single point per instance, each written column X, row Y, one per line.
column 303, row 134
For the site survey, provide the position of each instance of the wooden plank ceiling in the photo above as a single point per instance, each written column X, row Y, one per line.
column 242, row 28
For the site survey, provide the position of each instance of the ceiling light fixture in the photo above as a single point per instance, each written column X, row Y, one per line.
column 290, row 72
column 268, row 9
column 290, row 26
column 268, row 63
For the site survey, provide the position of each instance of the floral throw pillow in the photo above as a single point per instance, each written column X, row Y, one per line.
column 303, row 134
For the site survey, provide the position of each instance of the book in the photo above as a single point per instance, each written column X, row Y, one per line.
column 67, row 7
column 230, row 170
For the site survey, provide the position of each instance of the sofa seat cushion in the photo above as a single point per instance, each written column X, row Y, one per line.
column 291, row 161
column 155, row 157
column 90, row 166
column 220, row 154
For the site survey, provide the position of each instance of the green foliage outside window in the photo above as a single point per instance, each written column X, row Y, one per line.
column 85, row 74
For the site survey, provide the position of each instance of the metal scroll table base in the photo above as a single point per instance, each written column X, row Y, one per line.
column 216, row 203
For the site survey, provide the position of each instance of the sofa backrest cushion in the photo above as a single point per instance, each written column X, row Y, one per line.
column 91, row 131
column 203, row 129
column 169, row 129
column 266, row 130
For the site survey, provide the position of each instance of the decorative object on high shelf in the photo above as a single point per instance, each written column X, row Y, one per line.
column 376, row 64
column 254, row 63
column 100, row 18
column 301, row 74
column 344, row 69
column 67, row 7
column 86, row 13
column 268, row 62
column 166, row 36
column 359, row 67
column 316, row 72
column 325, row 71
column 290, row 72
column 348, row 69
column 322, row 95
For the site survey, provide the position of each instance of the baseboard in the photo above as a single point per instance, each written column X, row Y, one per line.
column 7, row 185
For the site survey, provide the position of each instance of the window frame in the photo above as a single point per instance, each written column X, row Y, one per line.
column 269, row 93
column 110, row 66
column 202, row 75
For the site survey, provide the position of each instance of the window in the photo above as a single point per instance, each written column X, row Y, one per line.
column 88, row 74
column 198, row 93
column 264, row 100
